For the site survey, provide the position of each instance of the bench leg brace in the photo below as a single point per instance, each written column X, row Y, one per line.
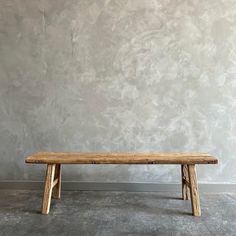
column 196, row 209
column 185, row 182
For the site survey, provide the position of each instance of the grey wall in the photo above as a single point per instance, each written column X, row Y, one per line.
column 125, row 75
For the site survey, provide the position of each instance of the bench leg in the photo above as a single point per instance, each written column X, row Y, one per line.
column 48, row 188
column 185, row 182
column 196, row 209
column 57, row 179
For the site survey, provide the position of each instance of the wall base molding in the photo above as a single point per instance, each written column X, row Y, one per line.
column 105, row 186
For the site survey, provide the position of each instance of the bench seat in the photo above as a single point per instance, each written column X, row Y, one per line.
column 120, row 158
column 187, row 161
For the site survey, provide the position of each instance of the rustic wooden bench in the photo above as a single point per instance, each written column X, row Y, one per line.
column 186, row 160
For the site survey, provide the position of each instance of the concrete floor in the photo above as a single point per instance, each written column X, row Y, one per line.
column 116, row 213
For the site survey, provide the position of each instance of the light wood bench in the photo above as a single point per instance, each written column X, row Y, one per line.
column 186, row 160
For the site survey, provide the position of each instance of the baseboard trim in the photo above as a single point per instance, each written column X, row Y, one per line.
column 129, row 187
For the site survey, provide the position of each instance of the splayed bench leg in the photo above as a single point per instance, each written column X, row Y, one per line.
column 57, row 181
column 48, row 188
column 185, row 182
column 196, row 209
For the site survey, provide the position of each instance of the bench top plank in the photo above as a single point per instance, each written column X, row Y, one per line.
column 120, row 158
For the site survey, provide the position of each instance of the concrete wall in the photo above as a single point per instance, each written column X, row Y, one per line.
column 112, row 75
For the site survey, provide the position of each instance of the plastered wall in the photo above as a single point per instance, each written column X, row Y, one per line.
column 125, row 75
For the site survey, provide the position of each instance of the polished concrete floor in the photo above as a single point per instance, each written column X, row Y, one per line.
column 116, row 213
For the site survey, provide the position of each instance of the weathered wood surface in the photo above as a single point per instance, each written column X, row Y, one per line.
column 48, row 188
column 195, row 201
column 56, row 193
column 185, row 182
column 120, row 158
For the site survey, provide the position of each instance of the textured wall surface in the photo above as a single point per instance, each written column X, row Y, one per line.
column 112, row 75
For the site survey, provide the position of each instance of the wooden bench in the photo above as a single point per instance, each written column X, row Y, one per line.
column 186, row 160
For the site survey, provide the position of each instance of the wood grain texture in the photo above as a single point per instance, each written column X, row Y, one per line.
column 120, row 158
column 185, row 182
column 57, row 188
column 196, row 209
column 48, row 188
